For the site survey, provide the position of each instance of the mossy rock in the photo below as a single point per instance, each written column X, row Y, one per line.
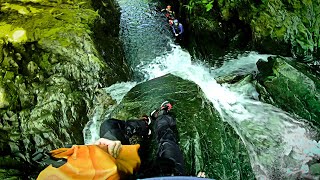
column 275, row 27
column 51, row 66
column 208, row 143
column 291, row 86
column 3, row 99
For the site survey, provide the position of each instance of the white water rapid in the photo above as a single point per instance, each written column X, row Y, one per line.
column 117, row 92
column 279, row 146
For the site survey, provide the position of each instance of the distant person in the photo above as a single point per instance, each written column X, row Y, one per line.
column 177, row 28
column 169, row 14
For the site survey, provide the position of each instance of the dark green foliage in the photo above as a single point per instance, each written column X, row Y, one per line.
column 291, row 23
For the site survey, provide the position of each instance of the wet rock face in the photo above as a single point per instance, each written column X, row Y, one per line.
column 292, row 87
column 51, row 64
column 208, row 144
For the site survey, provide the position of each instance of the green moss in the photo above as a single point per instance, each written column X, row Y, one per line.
column 225, row 14
column 9, row 76
column 5, row 30
column 3, row 99
column 315, row 169
column 10, row 174
column 18, row 35
column 33, row 1
column 291, row 90
column 293, row 23
column 12, row 34
column 49, row 69
column 296, row 24
column 21, row 9
column 44, row 63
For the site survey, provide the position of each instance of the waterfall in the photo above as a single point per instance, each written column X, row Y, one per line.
column 117, row 92
column 279, row 145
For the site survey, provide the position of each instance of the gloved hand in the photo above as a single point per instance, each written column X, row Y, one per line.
column 112, row 147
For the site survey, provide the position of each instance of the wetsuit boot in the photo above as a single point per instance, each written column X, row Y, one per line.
column 169, row 157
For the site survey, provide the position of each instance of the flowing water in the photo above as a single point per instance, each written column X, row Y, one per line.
column 279, row 145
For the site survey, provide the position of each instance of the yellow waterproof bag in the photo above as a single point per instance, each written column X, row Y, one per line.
column 89, row 162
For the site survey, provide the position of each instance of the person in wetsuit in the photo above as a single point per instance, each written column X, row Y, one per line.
column 177, row 28
column 78, row 159
column 169, row 14
column 169, row 159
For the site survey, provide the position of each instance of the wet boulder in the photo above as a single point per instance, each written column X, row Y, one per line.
column 52, row 63
column 274, row 27
column 290, row 86
column 208, row 143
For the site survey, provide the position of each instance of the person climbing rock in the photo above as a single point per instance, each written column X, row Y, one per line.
column 110, row 157
column 113, row 157
column 169, row 160
column 169, row 14
column 123, row 131
column 177, row 28
column 169, row 157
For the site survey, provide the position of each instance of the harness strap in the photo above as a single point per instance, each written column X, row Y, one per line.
column 43, row 158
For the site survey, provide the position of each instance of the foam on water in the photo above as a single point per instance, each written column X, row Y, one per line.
column 278, row 144
column 117, row 92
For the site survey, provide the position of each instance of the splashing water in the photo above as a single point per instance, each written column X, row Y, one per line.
column 242, row 65
column 278, row 144
column 117, row 92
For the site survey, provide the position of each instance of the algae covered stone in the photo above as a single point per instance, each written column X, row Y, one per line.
column 291, row 86
column 3, row 101
column 208, row 143
column 277, row 27
column 51, row 66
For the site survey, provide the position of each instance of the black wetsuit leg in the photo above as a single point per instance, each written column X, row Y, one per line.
column 169, row 157
column 114, row 129
column 120, row 130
